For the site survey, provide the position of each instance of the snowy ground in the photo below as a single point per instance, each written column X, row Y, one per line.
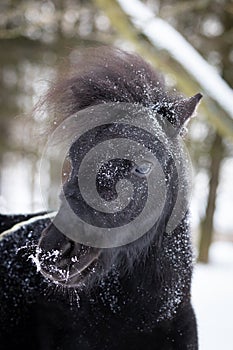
column 213, row 298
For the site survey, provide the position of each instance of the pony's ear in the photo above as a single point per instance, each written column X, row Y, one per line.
column 185, row 109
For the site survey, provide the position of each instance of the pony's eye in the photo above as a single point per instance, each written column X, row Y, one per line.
column 142, row 169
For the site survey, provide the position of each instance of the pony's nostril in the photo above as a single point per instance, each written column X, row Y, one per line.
column 67, row 249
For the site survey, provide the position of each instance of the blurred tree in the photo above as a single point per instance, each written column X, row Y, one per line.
column 210, row 32
column 34, row 37
column 207, row 227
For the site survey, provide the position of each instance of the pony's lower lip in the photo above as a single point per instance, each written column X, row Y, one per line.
column 71, row 279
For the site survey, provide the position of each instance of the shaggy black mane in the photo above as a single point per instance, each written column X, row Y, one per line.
column 107, row 74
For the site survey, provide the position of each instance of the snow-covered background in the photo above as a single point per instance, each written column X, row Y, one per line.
column 212, row 295
column 213, row 283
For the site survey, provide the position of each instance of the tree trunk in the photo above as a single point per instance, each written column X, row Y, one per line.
column 206, row 227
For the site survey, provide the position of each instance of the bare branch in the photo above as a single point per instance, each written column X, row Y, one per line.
column 131, row 23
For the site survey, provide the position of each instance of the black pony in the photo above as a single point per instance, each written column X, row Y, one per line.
column 62, row 293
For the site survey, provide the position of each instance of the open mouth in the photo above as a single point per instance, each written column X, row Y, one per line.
column 65, row 262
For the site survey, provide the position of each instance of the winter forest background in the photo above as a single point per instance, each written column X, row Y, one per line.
column 36, row 37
